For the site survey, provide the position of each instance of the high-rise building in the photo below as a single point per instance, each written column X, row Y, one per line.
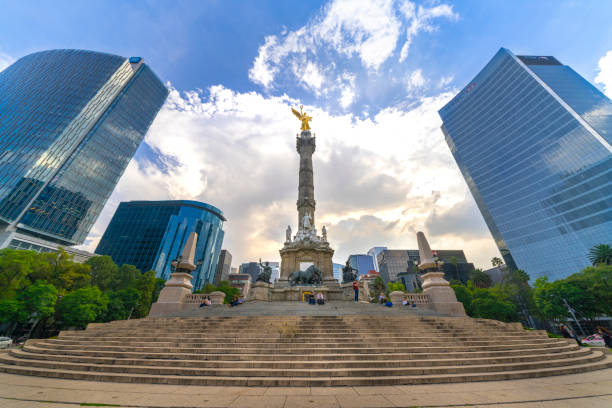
column 532, row 139
column 151, row 234
column 392, row 262
column 223, row 267
column 250, row 268
column 70, row 122
column 338, row 271
column 363, row 264
column 373, row 252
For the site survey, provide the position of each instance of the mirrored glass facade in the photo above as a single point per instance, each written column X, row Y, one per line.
column 70, row 121
column 532, row 140
column 151, row 234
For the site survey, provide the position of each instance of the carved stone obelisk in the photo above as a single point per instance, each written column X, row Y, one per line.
column 306, row 249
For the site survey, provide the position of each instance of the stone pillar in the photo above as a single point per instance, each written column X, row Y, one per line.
column 442, row 296
column 179, row 285
column 305, row 145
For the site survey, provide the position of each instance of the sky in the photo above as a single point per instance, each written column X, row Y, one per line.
column 371, row 73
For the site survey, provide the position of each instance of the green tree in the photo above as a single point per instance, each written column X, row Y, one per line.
column 464, row 295
column 37, row 300
column 379, row 284
column 16, row 267
column 145, row 285
column 103, row 271
column 489, row 305
column 601, row 254
column 159, row 285
column 453, row 260
column 481, row 279
column 65, row 274
column 126, row 277
column 9, row 310
column 82, row 306
column 120, row 304
column 393, row 286
column 496, row 262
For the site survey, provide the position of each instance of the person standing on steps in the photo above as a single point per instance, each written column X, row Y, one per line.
column 356, row 289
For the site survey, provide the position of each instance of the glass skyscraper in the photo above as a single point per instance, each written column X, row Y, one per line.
column 533, row 140
column 151, row 234
column 70, row 121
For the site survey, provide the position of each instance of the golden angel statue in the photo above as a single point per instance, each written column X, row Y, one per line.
column 303, row 117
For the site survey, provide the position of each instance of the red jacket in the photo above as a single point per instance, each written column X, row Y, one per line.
column 355, row 286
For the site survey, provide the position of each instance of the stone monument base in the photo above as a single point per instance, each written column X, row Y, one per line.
column 441, row 295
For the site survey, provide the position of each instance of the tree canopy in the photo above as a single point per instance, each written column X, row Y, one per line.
column 53, row 289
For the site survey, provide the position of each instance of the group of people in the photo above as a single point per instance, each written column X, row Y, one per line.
column 236, row 300
column 605, row 334
column 206, row 302
column 320, row 299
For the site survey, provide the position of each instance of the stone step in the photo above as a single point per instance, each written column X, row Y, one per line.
column 297, row 339
column 229, row 348
column 425, row 354
column 308, row 381
column 330, row 332
column 275, row 342
column 331, row 372
column 293, row 363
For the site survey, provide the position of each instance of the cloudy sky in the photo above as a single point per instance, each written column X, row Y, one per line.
column 372, row 73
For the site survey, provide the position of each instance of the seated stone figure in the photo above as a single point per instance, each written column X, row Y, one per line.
column 311, row 276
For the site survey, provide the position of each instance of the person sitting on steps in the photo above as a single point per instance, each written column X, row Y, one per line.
column 320, row 298
column 235, row 301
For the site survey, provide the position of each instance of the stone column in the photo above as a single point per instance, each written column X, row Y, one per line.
column 305, row 145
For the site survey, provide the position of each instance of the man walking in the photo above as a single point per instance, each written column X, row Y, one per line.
column 356, row 289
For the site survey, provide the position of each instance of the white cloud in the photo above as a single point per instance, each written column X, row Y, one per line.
column 5, row 60
column 384, row 176
column 359, row 34
column 415, row 80
column 604, row 76
column 446, row 80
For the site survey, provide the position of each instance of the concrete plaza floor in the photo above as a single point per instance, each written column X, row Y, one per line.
column 593, row 390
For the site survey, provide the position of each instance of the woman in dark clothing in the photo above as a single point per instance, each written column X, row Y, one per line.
column 568, row 333
column 606, row 335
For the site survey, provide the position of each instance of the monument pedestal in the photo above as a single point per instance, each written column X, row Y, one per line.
column 442, row 296
column 172, row 296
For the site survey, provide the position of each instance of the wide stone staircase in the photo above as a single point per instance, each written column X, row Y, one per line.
column 333, row 350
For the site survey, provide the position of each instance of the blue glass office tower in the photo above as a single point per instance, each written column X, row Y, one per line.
column 151, row 234
column 70, row 121
column 362, row 263
column 533, row 141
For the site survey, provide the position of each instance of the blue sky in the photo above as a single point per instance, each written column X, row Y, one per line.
column 373, row 73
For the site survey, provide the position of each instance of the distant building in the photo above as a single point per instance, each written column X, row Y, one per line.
column 497, row 274
column 338, row 271
column 363, row 264
column 410, row 280
column 233, row 270
column 151, row 234
column 373, row 252
column 275, row 270
column 70, row 122
column 533, row 140
column 392, row 262
column 250, row 268
column 223, row 267
column 241, row 281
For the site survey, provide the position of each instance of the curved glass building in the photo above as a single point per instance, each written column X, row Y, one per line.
column 70, row 121
column 151, row 234
column 532, row 139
